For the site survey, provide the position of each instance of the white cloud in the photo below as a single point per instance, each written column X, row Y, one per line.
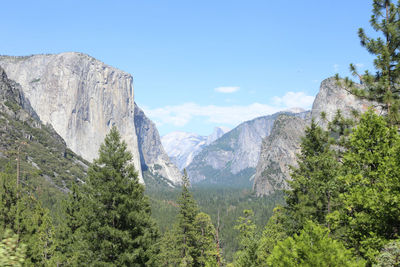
column 180, row 115
column 294, row 99
column 359, row 65
column 227, row 89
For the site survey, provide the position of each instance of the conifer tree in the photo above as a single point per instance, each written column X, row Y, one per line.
column 369, row 215
column 71, row 248
column 117, row 226
column 188, row 211
column 274, row 232
column 312, row 247
column 191, row 241
column 383, row 86
column 23, row 214
column 247, row 254
column 314, row 185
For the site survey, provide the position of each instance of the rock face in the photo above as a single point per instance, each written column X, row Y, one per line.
column 81, row 97
column 152, row 155
column 182, row 147
column 39, row 145
column 278, row 152
column 233, row 157
column 331, row 98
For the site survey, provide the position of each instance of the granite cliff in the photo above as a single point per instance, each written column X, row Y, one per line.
column 278, row 150
column 45, row 160
column 80, row 97
column 152, row 155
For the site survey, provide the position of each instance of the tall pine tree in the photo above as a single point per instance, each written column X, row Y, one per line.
column 382, row 86
column 117, row 226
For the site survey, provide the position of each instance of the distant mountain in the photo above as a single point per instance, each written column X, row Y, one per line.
column 232, row 158
column 217, row 133
column 182, row 147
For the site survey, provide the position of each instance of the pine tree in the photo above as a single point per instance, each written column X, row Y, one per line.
column 71, row 248
column 247, row 253
column 274, row 232
column 188, row 211
column 205, row 244
column 191, row 241
column 383, row 86
column 312, row 247
column 314, row 185
column 22, row 213
column 117, row 226
column 369, row 215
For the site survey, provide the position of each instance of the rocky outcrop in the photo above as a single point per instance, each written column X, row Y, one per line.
column 45, row 160
column 278, row 152
column 233, row 157
column 152, row 155
column 331, row 98
column 81, row 97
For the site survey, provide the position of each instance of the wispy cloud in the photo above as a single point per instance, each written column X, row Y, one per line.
column 180, row 115
column 336, row 67
column 227, row 89
column 359, row 65
column 294, row 99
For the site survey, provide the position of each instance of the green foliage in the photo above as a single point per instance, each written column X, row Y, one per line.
column 111, row 224
column 191, row 242
column 390, row 255
column 274, row 232
column 221, row 202
column 313, row 247
column 371, row 197
column 248, row 240
column 314, row 184
column 12, row 253
column 23, row 214
column 383, row 85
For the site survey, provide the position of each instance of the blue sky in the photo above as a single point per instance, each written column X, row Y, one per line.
column 199, row 64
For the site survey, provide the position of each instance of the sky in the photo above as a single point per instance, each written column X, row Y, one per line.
column 201, row 64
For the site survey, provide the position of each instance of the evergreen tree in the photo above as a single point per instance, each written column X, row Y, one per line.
column 370, row 214
column 191, row 241
column 312, row 247
column 188, row 211
column 247, row 254
column 274, row 232
column 205, row 244
column 71, row 248
column 22, row 213
column 117, row 226
column 383, row 86
column 314, row 185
